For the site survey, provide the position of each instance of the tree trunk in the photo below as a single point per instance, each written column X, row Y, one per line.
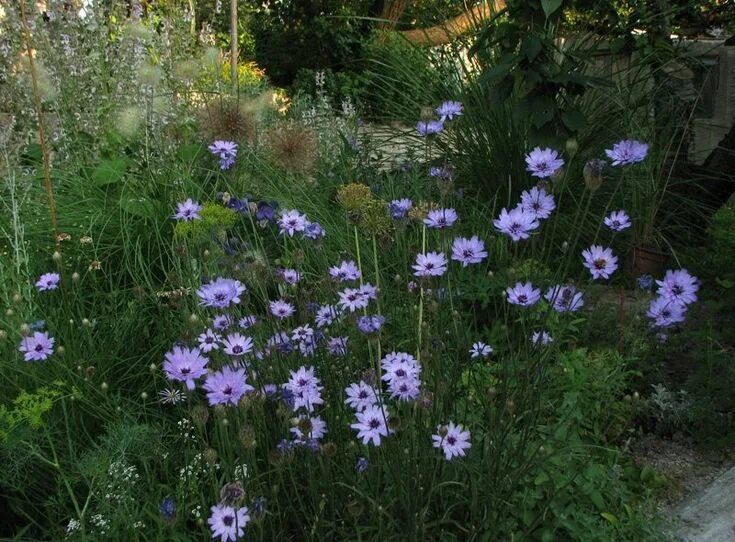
column 233, row 45
column 447, row 31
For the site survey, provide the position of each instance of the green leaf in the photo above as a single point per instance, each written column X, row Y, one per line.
column 574, row 119
column 726, row 284
column 189, row 153
column 610, row 517
column 531, row 46
column 597, row 499
column 142, row 207
column 550, row 6
column 109, row 171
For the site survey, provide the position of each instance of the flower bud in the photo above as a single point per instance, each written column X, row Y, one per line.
column 104, row 386
column 56, row 256
column 9, row 312
column 592, row 173
column 17, row 298
column 572, row 146
column 193, row 318
column 60, row 350
column 75, row 277
column 3, row 334
column 144, row 396
column 443, row 431
column 25, row 330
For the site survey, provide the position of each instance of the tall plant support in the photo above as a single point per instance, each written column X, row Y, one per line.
column 233, row 44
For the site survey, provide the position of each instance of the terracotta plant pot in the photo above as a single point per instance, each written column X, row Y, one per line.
column 646, row 260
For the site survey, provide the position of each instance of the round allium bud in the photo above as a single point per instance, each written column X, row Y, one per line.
column 60, row 350
column 627, row 398
column 636, row 395
column 25, row 330
column 592, row 173
column 3, row 334
column 232, row 494
column 144, row 396
column 443, row 431
column 104, row 386
column 355, row 508
column 211, row 456
column 193, row 318
column 564, row 246
column 206, row 254
column 17, row 298
column 510, row 405
column 225, row 422
column 200, row 415
column 397, row 278
column 329, row 449
column 56, row 256
column 572, row 146
column 75, row 277
column 86, row 322
column 9, row 312
column 153, row 367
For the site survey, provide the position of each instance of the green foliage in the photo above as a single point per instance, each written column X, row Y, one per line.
column 215, row 222
column 27, row 408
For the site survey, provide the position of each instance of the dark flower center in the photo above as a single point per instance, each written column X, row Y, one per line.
column 39, row 348
column 677, row 290
column 451, row 440
column 600, row 263
column 237, row 349
column 401, row 373
column 542, row 166
column 363, row 394
column 228, row 520
column 522, row 298
column 467, row 253
column 374, row 423
column 220, row 296
column 185, row 370
column 227, row 390
column 303, row 382
column 209, row 340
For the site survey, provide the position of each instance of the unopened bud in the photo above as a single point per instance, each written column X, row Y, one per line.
column 60, row 350
column 193, row 318
column 572, row 146
column 17, row 298
column 75, row 277
column 152, row 367
column 86, row 322
column 3, row 334
column 25, row 330
column 56, row 256
column 9, row 312
column 443, row 431
column 104, row 386
column 144, row 396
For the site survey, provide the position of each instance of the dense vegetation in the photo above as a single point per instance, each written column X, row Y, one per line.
column 246, row 316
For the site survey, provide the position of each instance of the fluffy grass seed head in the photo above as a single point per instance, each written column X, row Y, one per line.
column 292, row 146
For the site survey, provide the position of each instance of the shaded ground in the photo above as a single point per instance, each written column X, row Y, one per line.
column 701, row 502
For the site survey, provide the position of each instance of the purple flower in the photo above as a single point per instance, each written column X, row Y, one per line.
column 666, row 312
column 433, row 264
column 543, row 162
column 222, row 322
column 227, row 523
column 369, row 324
column 208, row 341
column 537, row 202
column 600, row 261
column 468, row 251
column 480, row 350
column 362, row 465
column 281, row 309
column 167, row 508
column 48, row 281
column 645, row 282
column 291, row 222
column 517, row 223
column 441, row 218
column 266, row 211
column 290, row 276
column 564, row 298
column 541, row 338
column 326, row 315
column 37, row 347
column 187, row 210
column 678, row 286
column 617, row 221
column 399, row 208
column 452, row 439
column 227, row 386
column 221, row 293
column 309, row 427
column 226, row 151
column 429, row 127
column 313, row 231
column 524, row 295
column 281, row 342
column 360, row 396
column 302, row 333
column 304, row 385
column 352, row 299
column 372, row 424
column 237, row 345
column 345, row 271
column 246, row 322
column 337, row 346
column 185, row 365
column 445, row 172
column 627, row 151
column 448, row 110
column 401, row 371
